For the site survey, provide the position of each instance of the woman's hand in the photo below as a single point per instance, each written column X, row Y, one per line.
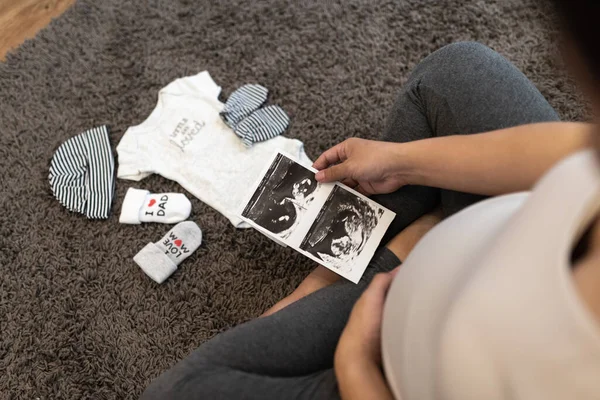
column 369, row 166
column 358, row 354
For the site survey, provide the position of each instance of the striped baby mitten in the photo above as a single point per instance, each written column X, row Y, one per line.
column 242, row 102
column 263, row 124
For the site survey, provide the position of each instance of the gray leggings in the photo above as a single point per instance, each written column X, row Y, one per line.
column 463, row 88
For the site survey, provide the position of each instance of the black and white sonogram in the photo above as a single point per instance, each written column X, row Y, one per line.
column 341, row 230
column 282, row 197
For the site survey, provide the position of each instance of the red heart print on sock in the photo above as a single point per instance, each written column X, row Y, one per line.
column 152, row 202
column 178, row 242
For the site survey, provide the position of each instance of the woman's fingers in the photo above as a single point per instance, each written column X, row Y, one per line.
column 351, row 183
column 361, row 190
column 335, row 173
column 332, row 156
column 366, row 188
column 327, row 158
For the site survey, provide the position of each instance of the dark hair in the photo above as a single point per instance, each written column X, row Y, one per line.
column 580, row 18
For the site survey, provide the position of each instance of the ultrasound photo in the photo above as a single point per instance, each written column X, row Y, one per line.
column 342, row 229
column 329, row 223
column 282, row 197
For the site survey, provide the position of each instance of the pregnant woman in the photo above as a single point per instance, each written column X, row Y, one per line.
column 500, row 300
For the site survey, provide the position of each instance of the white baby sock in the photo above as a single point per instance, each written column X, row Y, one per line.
column 159, row 260
column 142, row 206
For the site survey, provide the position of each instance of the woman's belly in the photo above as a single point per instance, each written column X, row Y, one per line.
column 426, row 286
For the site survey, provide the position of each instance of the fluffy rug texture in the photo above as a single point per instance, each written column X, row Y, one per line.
column 78, row 319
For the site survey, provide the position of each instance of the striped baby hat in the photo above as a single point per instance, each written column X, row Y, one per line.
column 82, row 173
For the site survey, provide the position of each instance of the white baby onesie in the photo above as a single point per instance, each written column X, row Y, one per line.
column 185, row 140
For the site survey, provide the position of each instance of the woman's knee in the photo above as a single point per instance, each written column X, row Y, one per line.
column 457, row 73
column 464, row 81
column 160, row 388
column 461, row 63
column 179, row 382
column 461, row 50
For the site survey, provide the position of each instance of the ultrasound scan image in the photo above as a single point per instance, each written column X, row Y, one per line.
column 342, row 228
column 282, row 197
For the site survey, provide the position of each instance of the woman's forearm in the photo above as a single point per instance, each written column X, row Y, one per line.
column 492, row 163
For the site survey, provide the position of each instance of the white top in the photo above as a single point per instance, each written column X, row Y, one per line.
column 184, row 139
column 485, row 306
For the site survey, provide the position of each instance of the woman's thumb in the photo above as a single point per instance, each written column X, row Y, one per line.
column 332, row 174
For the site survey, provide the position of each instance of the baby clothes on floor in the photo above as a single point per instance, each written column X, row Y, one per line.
column 142, row 206
column 82, row 173
column 242, row 102
column 253, row 124
column 185, row 139
column 263, row 124
column 159, row 260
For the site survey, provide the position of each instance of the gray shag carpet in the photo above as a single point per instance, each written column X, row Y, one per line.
column 78, row 319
